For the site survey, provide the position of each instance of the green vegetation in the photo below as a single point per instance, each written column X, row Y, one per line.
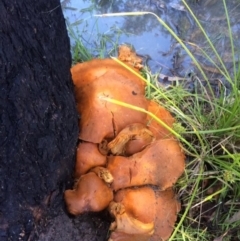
column 209, row 129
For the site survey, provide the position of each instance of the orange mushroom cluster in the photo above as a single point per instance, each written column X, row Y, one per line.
column 126, row 161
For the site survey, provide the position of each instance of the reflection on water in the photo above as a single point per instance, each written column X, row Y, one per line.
column 148, row 37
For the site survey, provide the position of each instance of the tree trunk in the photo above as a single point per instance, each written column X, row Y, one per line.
column 38, row 125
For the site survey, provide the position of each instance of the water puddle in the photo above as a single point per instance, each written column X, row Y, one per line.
column 151, row 40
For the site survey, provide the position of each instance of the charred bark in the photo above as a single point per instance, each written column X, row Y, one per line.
column 38, row 122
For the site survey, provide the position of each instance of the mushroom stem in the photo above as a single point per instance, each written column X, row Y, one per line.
column 132, row 139
column 103, row 173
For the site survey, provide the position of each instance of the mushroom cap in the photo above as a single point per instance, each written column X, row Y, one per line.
column 156, row 128
column 139, row 203
column 148, row 204
column 91, row 194
column 88, row 156
column 83, row 73
column 120, row 236
column 167, row 207
column 132, row 139
column 126, row 223
column 96, row 79
column 161, row 164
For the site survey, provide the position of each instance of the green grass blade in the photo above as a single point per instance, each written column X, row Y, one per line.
column 231, row 39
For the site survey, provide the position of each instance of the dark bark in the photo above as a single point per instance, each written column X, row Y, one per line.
column 38, row 122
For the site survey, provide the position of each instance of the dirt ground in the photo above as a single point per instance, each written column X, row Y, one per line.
column 87, row 227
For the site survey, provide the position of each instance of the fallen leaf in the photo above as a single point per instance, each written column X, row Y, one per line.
column 220, row 238
column 234, row 218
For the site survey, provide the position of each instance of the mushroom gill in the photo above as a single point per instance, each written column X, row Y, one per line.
column 161, row 164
